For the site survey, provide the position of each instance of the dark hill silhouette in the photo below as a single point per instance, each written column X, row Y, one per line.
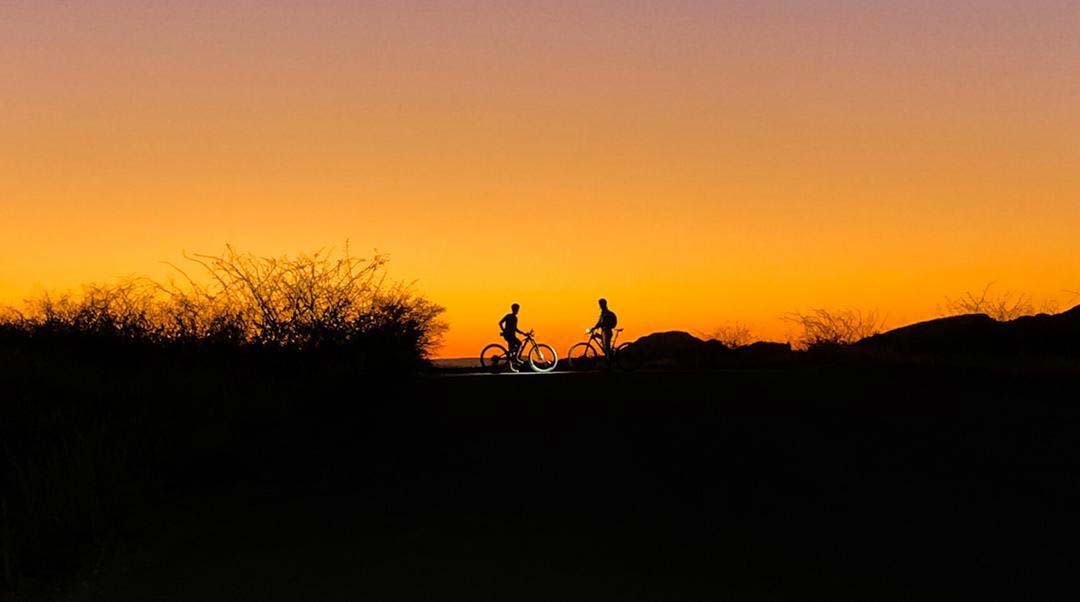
column 672, row 343
column 1057, row 334
column 980, row 335
column 764, row 349
column 682, row 349
column 956, row 334
column 967, row 336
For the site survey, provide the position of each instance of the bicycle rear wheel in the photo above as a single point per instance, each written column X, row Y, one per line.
column 543, row 358
column 627, row 358
column 582, row 356
column 495, row 359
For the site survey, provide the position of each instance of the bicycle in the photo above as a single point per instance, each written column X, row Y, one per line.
column 591, row 354
column 540, row 357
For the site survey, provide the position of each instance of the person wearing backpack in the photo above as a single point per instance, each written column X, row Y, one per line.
column 607, row 322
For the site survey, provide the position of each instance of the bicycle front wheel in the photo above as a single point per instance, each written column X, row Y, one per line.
column 542, row 358
column 494, row 358
column 628, row 358
column 582, row 356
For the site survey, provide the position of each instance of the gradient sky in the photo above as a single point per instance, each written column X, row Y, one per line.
column 698, row 163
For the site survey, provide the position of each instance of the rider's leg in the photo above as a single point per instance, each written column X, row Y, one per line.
column 514, row 344
column 607, row 341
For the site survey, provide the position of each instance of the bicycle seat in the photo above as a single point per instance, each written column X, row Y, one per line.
column 618, row 330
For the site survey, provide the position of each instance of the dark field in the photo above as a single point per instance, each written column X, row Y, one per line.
column 804, row 483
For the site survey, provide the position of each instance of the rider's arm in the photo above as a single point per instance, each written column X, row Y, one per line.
column 502, row 324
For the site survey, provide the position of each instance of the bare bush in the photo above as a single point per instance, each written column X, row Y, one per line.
column 128, row 309
column 1049, row 306
column 731, row 336
column 1004, row 306
column 823, row 328
column 11, row 316
column 325, row 299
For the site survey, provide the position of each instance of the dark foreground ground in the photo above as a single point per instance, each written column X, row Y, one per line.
column 799, row 484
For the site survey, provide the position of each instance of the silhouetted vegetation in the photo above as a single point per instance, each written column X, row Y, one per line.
column 732, row 336
column 111, row 394
column 311, row 302
column 832, row 329
column 1003, row 306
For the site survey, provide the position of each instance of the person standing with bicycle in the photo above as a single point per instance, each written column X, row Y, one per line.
column 508, row 327
column 538, row 356
column 606, row 324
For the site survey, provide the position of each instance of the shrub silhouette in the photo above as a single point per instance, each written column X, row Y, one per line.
column 825, row 329
column 1002, row 307
column 731, row 336
column 324, row 300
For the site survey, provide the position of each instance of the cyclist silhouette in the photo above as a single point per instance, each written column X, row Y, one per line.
column 509, row 329
column 607, row 322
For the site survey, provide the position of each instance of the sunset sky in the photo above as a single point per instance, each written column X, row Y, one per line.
column 697, row 163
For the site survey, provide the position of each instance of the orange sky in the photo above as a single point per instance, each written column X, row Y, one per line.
column 696, row 163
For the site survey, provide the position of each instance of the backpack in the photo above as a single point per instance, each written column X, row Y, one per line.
column 609, row 319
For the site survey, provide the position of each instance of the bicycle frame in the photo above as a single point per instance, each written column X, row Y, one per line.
column 496, row 354
column 524, row 349
column 598, row 339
